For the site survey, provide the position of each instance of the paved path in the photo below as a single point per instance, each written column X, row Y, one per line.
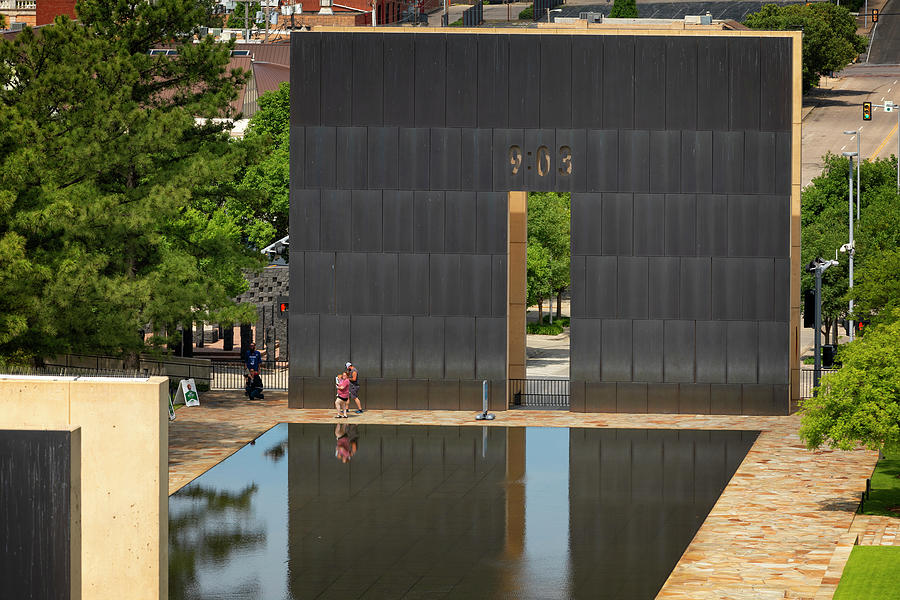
column 886, row 36
column 779, row 530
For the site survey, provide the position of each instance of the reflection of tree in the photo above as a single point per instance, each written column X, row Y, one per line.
column 199, row 534
column 277, row 452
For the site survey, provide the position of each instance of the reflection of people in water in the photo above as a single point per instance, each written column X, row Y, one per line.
column 347, row 437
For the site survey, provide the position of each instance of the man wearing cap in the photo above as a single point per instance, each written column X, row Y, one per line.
column 354, row 386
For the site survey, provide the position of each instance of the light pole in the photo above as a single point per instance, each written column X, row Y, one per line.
column 858, row 164
column 818, row 267
column 850, row 246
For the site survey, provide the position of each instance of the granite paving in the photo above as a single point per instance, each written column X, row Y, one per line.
column 780, row 529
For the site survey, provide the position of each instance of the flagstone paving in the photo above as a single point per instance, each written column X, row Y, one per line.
column 781, row 528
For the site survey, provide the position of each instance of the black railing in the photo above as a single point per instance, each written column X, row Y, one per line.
column 230, row 375
column 64, row 371
column 806, row 381
column 539, row 393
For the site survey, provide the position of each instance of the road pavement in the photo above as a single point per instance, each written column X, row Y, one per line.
column 885, row 47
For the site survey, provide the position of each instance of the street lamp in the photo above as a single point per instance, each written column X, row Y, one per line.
column 858, row 164
column 851, row 246
column 550, row 11
column 818, row 267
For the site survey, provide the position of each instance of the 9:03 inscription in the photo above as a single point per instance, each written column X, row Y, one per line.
column 543, row 160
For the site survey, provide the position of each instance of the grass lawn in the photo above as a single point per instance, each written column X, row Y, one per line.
column 871, row 572
column 885, row 492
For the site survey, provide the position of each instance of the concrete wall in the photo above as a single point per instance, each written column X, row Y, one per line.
column 124, row 473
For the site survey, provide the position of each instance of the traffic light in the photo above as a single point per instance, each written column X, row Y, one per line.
column 867, row 111
column 874, row 15
column 283, row 307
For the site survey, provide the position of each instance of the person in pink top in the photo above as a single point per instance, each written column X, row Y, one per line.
column 342, row 402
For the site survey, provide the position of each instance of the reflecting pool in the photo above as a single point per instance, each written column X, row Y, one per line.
column 374, row 511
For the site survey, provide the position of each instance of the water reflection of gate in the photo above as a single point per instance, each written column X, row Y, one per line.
column 539, row 393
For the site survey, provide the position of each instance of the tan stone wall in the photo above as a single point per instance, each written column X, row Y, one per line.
column 124, row 473
column 518, row 243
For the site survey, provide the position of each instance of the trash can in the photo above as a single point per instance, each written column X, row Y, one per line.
column 828, row 352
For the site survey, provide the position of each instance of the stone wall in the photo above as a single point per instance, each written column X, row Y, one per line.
column 267, row 288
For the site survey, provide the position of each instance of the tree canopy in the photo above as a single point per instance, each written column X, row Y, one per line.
column 624, row 9
column 830, row 41
column 859, row 404
column 112, row 195
column 549, row 216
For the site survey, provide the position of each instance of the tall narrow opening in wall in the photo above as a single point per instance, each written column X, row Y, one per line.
column 540, row 251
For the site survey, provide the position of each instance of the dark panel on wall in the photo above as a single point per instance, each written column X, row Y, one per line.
column 587, row 65
column 649, row 224
column 428, row 347
column 335, row 215
column 696, row 162
column 782, row 291
column 444, row 287
column 728, row 162
column 397, row 344
column 615, row 352
column 368, row 79
column 413, row 272
column 383, row 157
column 600, row 397
column 774, row 345
column 459, row 348
column 499, row 296
column 745, row 98
column 782, row 176
column 493, row 81
column 365, row 220
column 634, row 161
column 569, row 162
column 585, row 354
column 712, row 225
column 379, row 394
column 412, row 394
column 337, row 78
column 678, row 351
column 616, row 224
column 759, row 293
column 681, row 222
column 304, row 214
column 775, row 68
column 491, row 223
column 741, row 351
column 319, row 154
column 577, row 286
column 399, row 80
column 647, row 351
column 297, row 274
column 693, row 398
column 602, row 160
column 490, row 348
column 445, row 155
column 475, row 284
column 462, row 74
column 728, row 282
column 382, row 282
column 431, row 86
column 618, row 81
column 476, row 160
column 398, row 219
column 556, row 80
column 510, row 160
column 681, row 83
column 600, row 288
column 351, row 267
column 694, row 294
column 662, row 398
column 743, row 225
column 459, row 222
column 540, row 160
column 428, row 225
column 414, row 151
column 725, row 399
column 759, row 162
column 665, row 161
column 524, row 82
column 774, row 233
column 365, row 344
column 711, row 351
column 334, row 343
column 712, row 89
column 757, row 399
column 37, row 515
column 664, row 278
column 586, row 220
column 297, row 160
column 631, row 284
column 443, row 395
column 306, row 91
column 631, row 397
column 650, row 82
column 319, row 271
column 304, row 355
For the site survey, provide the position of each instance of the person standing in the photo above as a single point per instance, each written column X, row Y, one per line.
column 253, row 360
column 342, row 401
column 354, row 386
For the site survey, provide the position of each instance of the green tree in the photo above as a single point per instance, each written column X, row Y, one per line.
column 538, row 272
column 860, row 403
column 624, row 9
column 3, row 24
column 549, row 218
column 830, row 41
column 236, row 19
column 110, row 208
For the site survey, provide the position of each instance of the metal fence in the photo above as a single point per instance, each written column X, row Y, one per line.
column 473, row 17
column 230, row 375
column 63, row 371
column 806, row 381
column 539, row 393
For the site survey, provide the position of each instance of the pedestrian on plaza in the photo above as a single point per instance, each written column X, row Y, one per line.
column 253, row 360
column 342, row 401
column 354, row 386
column 254, row 386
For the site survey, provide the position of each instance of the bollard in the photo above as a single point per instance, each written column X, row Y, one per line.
column 868, row 487
column 484, row 415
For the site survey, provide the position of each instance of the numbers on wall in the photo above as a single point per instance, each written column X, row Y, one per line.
column 515, row 158
column 543, row 160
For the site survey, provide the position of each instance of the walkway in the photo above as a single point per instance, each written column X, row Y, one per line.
column 777, row 530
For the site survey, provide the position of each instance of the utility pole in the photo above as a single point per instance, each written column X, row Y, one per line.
column 850, row 246
column 818, row 267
